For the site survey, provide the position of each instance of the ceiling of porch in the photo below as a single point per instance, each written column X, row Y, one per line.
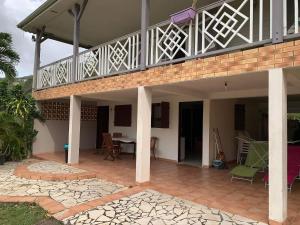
column 241, row 86
column 102, row 20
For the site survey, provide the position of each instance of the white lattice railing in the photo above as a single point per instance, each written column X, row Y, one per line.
column 117, row 56
column 232, row 23
column 168, row 41
column 291, row 19
column 219, row 26
column 55, row 74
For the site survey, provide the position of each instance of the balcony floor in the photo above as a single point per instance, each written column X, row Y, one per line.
column 209, row 187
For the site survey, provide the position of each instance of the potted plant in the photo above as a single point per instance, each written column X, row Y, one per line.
column 185, row 15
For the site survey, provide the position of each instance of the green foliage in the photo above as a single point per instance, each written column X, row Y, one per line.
column 24, row 214
column 8, row 57
column 17, row 112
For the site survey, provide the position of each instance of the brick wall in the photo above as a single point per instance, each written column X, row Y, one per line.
column 258, row 59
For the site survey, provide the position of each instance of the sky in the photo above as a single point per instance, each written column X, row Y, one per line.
column 14, row 11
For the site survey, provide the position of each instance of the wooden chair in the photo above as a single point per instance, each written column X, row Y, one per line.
column 153, row 143
column 112, row 150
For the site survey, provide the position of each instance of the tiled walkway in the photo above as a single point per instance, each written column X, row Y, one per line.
column 209, row 187
column 153, row 208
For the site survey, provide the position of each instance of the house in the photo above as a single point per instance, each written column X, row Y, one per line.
column 234, row 67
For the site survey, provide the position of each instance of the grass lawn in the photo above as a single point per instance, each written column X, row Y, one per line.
column 24, row 214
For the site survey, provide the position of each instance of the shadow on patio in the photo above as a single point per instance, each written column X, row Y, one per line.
column 209, row 187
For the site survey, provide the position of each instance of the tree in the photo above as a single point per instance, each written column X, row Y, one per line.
column 8, row 57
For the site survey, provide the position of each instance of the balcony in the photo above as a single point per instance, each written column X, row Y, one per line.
column 217, row 28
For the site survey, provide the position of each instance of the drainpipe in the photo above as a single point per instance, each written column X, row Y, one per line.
column 145, row 17
column 76, row 12
column 277, row 18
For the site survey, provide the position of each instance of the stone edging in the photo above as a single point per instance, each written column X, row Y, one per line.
column 23, row 172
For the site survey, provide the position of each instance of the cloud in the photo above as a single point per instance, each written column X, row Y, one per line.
column 11, row 14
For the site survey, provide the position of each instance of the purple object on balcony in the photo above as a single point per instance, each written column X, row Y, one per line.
column 183, row 16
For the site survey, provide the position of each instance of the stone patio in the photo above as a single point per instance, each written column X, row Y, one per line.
column 153, row 208
column 203, row 186
column 69, row 192
column 53, row 167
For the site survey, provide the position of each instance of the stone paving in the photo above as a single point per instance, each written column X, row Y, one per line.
column 68, row 193
column 53, row 167
column 153, row 208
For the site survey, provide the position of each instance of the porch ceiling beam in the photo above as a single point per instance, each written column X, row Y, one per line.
column 181, row 91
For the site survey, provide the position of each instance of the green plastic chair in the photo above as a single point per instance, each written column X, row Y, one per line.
column 257, row 160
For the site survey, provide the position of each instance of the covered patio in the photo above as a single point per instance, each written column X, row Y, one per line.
column 269, row 92
column 209, row 187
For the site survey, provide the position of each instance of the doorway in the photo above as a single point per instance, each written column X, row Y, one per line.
column 190, row 133
column 102, row 124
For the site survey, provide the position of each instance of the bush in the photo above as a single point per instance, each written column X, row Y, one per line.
column 17, row 112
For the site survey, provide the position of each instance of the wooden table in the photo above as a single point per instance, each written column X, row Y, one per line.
column 126, row 140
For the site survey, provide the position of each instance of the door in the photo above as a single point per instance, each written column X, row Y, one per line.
column 102, row 123
column 190, row 132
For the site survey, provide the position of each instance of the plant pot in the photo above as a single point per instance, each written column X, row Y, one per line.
column 2, row 159
column 184, row 16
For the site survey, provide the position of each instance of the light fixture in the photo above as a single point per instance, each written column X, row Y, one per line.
column 226, row 86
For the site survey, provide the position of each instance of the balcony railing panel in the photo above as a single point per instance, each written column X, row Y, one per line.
column 55, row 74
column 291, row 20
column 168, row 41
column 221, row 26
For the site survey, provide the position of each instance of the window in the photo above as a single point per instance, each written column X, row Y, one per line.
column 160, row 115
column 123, row 115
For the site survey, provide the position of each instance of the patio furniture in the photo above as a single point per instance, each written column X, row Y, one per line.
column 153, row 143
column 244, row 141
column 293, row 168
column 126, row 140
column 256, row 160
column 117, row 135
column 112, row 150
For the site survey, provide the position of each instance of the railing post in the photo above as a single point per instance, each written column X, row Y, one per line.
column 76, row 12
column 145, row 16
column 277, row 21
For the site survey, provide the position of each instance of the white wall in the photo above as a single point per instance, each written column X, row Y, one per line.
column 52, row 135
column 167, row 147
column 222, row 117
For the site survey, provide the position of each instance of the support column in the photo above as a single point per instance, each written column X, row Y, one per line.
column 145, row 17
column 206, row 153
column 38, row 38
column 143, row 135
column 277, row 146
column 77, row 13
column 76, row 35
column 74, row 129
column 277, row 21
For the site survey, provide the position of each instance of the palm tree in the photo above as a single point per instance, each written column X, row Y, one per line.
column 8, row 57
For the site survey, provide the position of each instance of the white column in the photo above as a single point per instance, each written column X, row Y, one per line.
column 74, row 129
column 277, row 146
column 206, row 153
column 143, row 135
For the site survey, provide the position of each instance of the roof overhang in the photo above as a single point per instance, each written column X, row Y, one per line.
column 102, row 21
